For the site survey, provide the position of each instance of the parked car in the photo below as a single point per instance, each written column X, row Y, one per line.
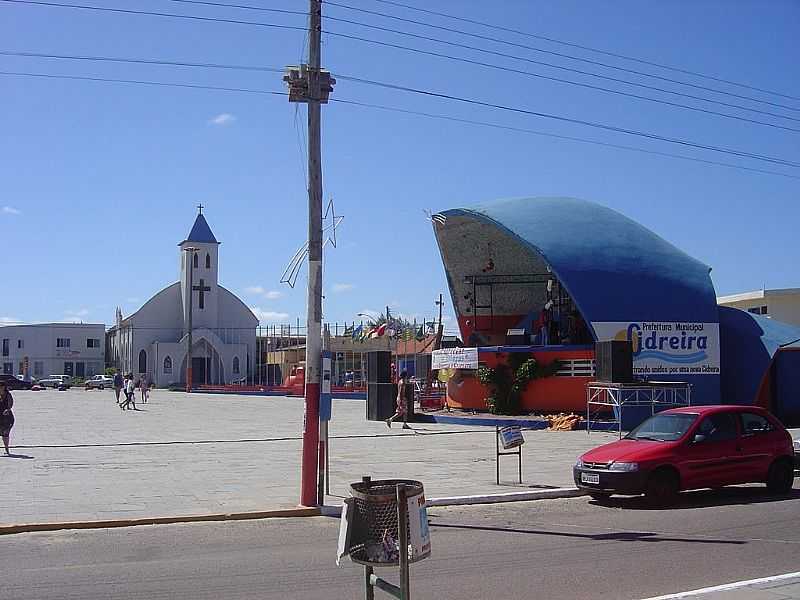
column 61, row 382
column 99, row 382
column 15, row 383
column 690, row 448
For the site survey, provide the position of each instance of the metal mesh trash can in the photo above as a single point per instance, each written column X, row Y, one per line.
column 375, row 537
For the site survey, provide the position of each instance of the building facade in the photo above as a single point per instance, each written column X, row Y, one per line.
column 780, row 304
column 153, row 341
column 39, row 350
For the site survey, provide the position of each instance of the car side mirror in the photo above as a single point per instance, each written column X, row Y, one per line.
column 699, row 438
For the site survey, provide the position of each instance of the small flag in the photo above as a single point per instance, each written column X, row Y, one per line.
column 356, row 333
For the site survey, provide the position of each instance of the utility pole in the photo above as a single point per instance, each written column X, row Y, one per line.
column 439, row 329
column 309, row 84
column 190, row 267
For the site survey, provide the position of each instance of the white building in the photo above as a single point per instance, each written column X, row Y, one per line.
column 154, row 339
column 53, row 349
column 781, row 305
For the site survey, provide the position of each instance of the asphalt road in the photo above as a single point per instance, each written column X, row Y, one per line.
column 546, row 549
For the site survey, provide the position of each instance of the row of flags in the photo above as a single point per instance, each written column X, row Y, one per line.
column 397, row 330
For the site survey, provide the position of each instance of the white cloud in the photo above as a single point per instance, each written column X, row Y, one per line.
column 269, row 316
column 260, row 291
column 342, row 287
column 10, row 210
column 10, row 321
column 223, row 119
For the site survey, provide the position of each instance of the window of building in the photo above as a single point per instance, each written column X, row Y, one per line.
column 235, row 365
column 92, row 343
column 38, row 368
column 764, row 310
column 167, row 365
column 20, row 344
column 5, row 346
column 63, row 342
column 8, row 368
column 758, row 310
column 194, row 260
column 21, row 368
column 142, row 361
column 208, row 260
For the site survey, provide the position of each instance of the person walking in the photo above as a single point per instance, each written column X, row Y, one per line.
column 131, row 392
column 403, row 389
column 144, row 387
column 118, row 383
column 6, row 415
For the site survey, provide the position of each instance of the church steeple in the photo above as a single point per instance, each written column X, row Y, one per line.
column 201, row 233
column 199, row 274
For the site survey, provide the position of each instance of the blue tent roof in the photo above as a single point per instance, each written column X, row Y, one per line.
column 201, row 232
column 613, row 268
column 748, row 343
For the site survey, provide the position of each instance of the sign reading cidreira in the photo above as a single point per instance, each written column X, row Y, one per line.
column 667, row 347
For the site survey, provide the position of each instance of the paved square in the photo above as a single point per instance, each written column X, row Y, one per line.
column 204, row 453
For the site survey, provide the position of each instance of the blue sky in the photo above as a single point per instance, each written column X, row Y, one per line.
column 98, row 182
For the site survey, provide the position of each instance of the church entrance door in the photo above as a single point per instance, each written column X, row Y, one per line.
column 201, row 368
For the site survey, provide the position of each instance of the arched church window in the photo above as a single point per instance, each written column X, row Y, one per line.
column 235, row 365
column 194, row 260
column 208, row 260
column 167, row 364
column 142, row 361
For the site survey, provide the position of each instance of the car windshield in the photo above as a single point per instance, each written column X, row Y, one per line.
column 663, row 428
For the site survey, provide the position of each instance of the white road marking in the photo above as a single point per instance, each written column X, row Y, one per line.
column 727, row 586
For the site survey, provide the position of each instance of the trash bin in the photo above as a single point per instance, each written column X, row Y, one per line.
column 374, row 537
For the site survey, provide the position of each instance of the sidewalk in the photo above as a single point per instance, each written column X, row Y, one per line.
column 84, row 459
column 780, row 587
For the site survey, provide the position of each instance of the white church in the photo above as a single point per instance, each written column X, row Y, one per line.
column 154, row 339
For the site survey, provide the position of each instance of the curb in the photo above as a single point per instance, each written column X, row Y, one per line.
column 527, row 496
column 243, row 516
column 324, row 511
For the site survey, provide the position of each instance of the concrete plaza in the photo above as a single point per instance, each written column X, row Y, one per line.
column 79, row 457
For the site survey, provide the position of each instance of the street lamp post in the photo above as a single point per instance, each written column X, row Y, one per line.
column 190, row 260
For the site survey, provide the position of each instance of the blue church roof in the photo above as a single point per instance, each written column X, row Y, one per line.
column 613, row 268
column 201, row 232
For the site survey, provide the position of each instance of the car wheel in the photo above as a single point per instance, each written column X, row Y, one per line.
column 102, row 387
column 662, row 488
column 780, row 477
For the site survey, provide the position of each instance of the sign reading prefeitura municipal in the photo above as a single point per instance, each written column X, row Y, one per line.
column 667, row 347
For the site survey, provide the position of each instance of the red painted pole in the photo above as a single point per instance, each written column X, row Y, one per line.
column 308, row 471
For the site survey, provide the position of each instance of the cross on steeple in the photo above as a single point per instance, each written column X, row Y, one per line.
column 200, row 208
column 202, row 288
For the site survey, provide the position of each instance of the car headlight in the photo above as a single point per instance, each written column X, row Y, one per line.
column 624, row 467
column 579, row 463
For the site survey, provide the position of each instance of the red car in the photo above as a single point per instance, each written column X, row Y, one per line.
column 690, row 448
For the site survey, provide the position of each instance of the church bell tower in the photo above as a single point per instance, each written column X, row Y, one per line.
column 199, row 254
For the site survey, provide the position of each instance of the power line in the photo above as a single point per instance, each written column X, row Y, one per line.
column 144, row 61
column 242, row 6
column 395, row 109
column 575, row 83
column 589, row 48
column 153, row 14
column 468, row 61
column 596, row 125
column 275, row 69
column 527, row 47
column 556, row 136
column 141, row 82
column 503, row 41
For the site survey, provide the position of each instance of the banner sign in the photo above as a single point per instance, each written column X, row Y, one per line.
column 667, row 347
column 455, row 358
